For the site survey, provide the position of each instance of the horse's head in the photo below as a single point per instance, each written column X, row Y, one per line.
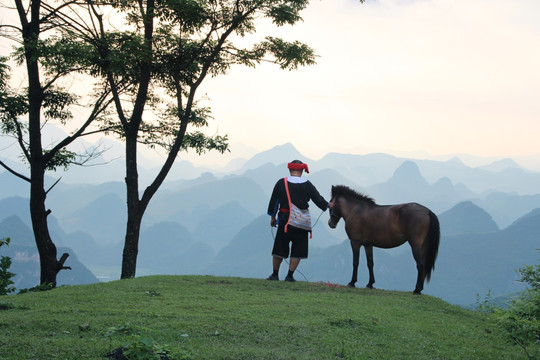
column 342, row 200
column 335, row 211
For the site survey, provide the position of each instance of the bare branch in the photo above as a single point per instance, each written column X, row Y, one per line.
column 61, row 262
column 74, row 24
column 58, row 75
column 4, row 165
column 97, row 131
column 89, row 155
column 9, row 26
column 53, row 12
column 20, row 140
column 53, row 185
column 110, row 78
column 100, row 105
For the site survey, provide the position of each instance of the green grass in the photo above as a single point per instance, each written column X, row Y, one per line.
column 230, row 318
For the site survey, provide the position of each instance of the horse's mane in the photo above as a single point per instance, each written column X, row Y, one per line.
column 342, row 190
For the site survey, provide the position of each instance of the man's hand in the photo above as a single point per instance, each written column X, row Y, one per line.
column 273, row 221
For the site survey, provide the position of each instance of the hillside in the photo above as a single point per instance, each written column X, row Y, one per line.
column 204, row 317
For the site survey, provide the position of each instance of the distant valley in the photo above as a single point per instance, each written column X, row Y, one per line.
column 215, row 223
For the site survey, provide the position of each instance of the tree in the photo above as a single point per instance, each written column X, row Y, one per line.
column 521, row 320
column 159, row 60
column 48, row 59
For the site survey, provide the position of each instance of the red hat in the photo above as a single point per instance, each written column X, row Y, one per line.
column 298, row 165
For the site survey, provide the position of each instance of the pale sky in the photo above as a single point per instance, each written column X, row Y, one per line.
column 423, row 78
column 419, row 76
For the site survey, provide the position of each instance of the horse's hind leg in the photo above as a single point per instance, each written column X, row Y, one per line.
column 356, row 261
column 417, row 253
column 369, row 258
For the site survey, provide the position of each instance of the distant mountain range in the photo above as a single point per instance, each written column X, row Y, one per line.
column 216, row 223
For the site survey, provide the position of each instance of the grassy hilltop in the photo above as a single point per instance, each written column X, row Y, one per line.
column 204, row 317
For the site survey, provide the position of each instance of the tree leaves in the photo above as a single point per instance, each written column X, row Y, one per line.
column 286, row 12
column 289, row 55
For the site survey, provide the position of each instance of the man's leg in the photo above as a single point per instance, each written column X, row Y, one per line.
column 293, row 264
column 280, row 251
column 276, row 262
column 299, row 250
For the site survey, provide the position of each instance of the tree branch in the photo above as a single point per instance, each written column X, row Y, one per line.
column 53, row 185
column 103, row 49
column 97, row 131
column 54, row 11
column 4, row 165
column 57, row 76
column 100, row 105
column 22, row 13
column 20, row 140
column 9, row 26
column 175, row 148
column 61, row 262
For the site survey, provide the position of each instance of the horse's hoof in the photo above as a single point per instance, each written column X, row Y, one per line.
column 417, row 292
column 369, row 286
column 351, row 285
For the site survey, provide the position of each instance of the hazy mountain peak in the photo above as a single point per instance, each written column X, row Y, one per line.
column 529, row 220
column 14, row 228
column 408, row 172
column 444, row 181
column 284, row 147
column 500, row 165
column 15, row 205
column 444, row 185
column 468, row 206
column 277, row 155
column 467, row 217
column 455, row 160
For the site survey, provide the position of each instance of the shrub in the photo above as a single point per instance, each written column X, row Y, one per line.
column 139, row 346
column 5, row 274
column 37, row 288
column 521, row 320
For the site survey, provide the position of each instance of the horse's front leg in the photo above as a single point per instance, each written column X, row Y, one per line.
column 369, row 258
column 356, row 261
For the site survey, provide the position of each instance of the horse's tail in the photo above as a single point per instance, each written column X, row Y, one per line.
column 431, row 245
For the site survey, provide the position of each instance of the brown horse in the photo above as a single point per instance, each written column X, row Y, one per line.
column 389, row 226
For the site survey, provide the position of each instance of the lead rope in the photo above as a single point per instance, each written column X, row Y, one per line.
column 273, row 236
column 317, row 219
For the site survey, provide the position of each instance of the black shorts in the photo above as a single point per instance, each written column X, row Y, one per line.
column 298, row 238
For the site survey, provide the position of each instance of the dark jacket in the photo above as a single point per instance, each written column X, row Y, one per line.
column 300, row 196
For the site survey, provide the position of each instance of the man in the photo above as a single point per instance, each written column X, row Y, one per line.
column 300, row 191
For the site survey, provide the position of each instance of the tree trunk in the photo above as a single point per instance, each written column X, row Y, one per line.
column 46, row 248
column 49, row 265
column 134, row 213
column 135, row 209
column 131, row 248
